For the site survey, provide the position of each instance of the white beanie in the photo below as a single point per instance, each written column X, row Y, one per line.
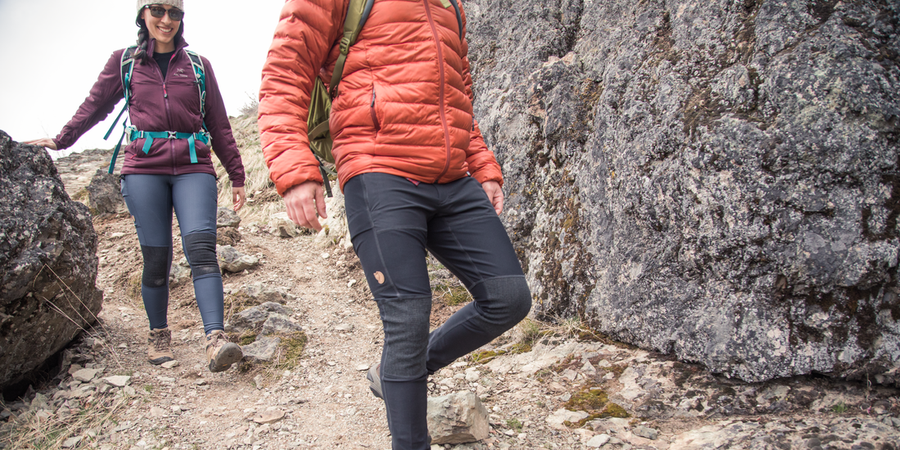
column 174, row 3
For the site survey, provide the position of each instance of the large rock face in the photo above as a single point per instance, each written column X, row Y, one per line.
column 715, row 180
column 47, row 259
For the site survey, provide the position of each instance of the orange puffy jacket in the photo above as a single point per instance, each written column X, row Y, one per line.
column 404, row 104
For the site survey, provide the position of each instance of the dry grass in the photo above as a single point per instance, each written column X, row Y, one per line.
column 88, row 419
column 263, row 201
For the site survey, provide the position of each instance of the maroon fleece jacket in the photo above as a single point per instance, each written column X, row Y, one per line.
column 156, row 104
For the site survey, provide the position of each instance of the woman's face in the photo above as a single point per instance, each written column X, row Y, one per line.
column 163, row 28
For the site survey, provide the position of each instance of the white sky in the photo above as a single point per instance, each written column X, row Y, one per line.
column 53, row 50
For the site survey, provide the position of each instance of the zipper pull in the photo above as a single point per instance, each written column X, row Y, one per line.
column 165, row 92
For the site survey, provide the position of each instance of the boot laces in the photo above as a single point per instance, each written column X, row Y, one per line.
column 161, row 340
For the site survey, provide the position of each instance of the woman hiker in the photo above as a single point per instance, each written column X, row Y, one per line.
column 168, row 166
column 416, row 175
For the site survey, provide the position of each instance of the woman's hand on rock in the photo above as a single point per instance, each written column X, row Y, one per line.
column 45, row 142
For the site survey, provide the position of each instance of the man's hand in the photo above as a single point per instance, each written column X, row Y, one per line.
column 303, row 201
column 495, row 195
column 238, row 197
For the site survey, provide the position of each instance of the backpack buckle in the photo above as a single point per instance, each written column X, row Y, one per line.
column 171, row 135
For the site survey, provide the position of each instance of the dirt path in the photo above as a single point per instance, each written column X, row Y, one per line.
column 325, row 397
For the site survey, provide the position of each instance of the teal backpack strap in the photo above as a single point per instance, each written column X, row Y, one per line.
column 200, row 76
column 126, row 70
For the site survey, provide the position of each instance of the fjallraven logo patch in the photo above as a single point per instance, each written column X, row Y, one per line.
column 379, row 277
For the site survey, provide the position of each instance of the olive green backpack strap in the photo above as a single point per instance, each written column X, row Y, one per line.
column 357, row 14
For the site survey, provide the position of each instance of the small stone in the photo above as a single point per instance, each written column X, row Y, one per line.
column 270, row 416
column 598, row 441
column 170, row 364
column 85, row 375
column 362, row 367
column 156, row 411
column 646, row 432
column 118, row 380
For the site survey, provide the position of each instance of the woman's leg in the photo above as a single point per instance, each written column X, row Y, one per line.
column 149, row 200
column 468, row 238
column 387, row 216
column 194, row 196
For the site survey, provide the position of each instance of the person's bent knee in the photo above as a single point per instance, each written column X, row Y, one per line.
column 509, row 300
column 156, row 266
column 200, row 250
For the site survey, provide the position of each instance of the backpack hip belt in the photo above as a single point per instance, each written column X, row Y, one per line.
column 149, row 136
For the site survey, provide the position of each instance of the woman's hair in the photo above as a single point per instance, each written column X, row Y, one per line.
column 143, row 39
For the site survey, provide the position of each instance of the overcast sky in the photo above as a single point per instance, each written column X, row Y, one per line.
column 53, row 50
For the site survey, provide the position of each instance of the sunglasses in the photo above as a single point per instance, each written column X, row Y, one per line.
column 158, row 12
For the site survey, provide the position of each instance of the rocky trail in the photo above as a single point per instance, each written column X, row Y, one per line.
column 544, row 385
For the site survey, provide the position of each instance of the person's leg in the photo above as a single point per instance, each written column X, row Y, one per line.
column 149, row 200
column 468, row 238
column 387, row 217
column 194, row 197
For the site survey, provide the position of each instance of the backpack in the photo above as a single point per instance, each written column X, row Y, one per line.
column 320, row 141
column 126, row 70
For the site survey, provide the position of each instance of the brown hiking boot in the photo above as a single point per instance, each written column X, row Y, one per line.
column 220, row 352
column 159, row 346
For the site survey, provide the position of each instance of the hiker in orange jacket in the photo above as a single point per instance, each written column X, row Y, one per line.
column 416, row 175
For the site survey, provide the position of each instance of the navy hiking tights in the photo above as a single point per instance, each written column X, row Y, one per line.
column 393, row 223
column 151, row 199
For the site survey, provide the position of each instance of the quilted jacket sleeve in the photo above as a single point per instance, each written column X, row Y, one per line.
column 305, row 33
column 481, row 161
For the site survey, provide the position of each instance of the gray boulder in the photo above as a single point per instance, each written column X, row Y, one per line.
column 227, row 217
column 231, row 260
column 254, row 318
column 48, row 262
column 105, row 194
column 714, row 180
column 263, row 349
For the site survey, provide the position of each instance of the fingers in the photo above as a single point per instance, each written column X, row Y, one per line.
column 320, row 204
column 498, row 202
column 302, row 202
column 45, row 142
column 238, row 197
column 495, row 195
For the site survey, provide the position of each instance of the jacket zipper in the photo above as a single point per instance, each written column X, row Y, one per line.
column 372, row 111
column 169, row 113
column 441, row 100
